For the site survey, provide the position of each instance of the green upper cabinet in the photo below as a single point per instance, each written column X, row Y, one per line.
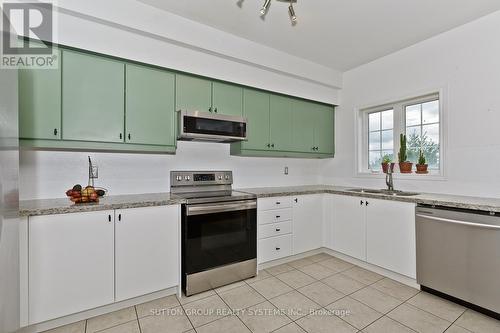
column 92, row 98
column 256, row 110
column 281, row 123
column 192, row 93
column 324, row 129
column 40, row 103
column 303, row 122
column 149, row 107
column 227, row 99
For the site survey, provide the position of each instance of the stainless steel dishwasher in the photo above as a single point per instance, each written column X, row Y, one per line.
column 458, row 255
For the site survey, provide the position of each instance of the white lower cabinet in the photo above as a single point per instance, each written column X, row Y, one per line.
column 390, row 236
column 146, row 250
column 71, row 263
column 307, row 222
column 275, row 248
column 349, row 226
column 81, row 261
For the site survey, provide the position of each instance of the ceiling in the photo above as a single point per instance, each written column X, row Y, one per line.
column 340, row 34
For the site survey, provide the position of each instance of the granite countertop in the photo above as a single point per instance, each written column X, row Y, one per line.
column 64, row 205
column 444, row 200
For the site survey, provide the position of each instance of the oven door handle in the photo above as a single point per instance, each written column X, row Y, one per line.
column 220, row 207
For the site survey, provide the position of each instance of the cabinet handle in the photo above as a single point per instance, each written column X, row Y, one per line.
column 210, row 109
column 296, row 200
column 268, row 145
column 121, row 136
column 278, row 216
column 272, row 145
column 361, row 202
column 129, row 136
column 55, row 131
column 278, row 248
column 215, row 110
column 278, row 203
column 119, row 217
column 278, row 229
column 109, row 218
column 366, row 203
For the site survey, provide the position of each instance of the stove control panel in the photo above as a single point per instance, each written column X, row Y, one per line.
column 200, row 178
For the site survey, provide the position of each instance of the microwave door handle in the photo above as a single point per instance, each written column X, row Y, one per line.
column 219, row 208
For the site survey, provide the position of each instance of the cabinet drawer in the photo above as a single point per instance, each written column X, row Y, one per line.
column 272, row 216
column 275, row 248
column 275, row 229
column 274, row 203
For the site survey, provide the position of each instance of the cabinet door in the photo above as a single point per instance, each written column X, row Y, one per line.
column 349, row 226
column 327, row 227
column 281, row 123
column 307, row 222
column 147, row 250
column 256, row 110
column 227, row 99
column 192, row 93
column 324, row 129
column 150, row 106
column 40, row 103
column 303, row 122
column 93, row 98
column 70, row 263
column 390, row 236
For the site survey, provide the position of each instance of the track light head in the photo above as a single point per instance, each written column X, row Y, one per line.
column 265, row 7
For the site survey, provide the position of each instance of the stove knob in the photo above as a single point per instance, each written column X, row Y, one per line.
column 220, row 177
column 179, row 178
column 227, row 177
column 187, row 178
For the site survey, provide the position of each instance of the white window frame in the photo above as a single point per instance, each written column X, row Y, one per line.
column 399, row 126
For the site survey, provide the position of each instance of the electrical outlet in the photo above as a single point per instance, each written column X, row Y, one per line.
column 286, row 171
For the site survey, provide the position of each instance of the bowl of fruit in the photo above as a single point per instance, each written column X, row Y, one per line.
column 89, row 194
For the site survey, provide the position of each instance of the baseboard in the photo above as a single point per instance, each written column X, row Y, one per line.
column 47, row 325
column 289, row 258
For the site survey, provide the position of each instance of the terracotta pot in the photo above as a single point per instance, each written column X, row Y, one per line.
column 385, row 167
column 405, row 167
column 422, row 168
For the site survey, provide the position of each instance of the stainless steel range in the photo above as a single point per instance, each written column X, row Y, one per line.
column 219, row 230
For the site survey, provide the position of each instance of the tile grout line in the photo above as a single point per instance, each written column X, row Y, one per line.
column 137, row 316
column 237, row 315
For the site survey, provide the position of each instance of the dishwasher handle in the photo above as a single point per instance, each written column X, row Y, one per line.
column 469, row 224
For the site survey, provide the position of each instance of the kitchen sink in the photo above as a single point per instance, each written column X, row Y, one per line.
column 386, row 192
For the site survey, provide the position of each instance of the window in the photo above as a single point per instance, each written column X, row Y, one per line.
column 380, row 127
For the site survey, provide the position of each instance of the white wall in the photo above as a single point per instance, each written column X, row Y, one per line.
column 135, row 31
column 465, row 62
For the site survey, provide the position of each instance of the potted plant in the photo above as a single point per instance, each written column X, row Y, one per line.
column 404, row 165
column 422, row 163
column 386, row 160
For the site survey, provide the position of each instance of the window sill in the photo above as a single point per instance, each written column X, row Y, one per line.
column 402, row 176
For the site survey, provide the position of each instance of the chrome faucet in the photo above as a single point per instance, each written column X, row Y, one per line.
column 388, row 178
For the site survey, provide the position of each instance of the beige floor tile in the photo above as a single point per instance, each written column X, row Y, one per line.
column 111, row 319
column 78, row 327
column 279, row 269
column 320, row 257
column 263, row 317
column 336, row 265
column 230, row 286
column 395, row 289
column 227, row 324
column 206, row 310
column 317, row 271
column 262, row 274
column 343, row 283
column 294, row 304
column 271, row 287
column 456, row 329
column 173, row 321
column 290, row 328
column 363, row 275
column 321, row 293
column 156, row 306
column 325, row 322
column 477, row 322
column 300, row 262
column 355, row 313
column 387, row 325
column 130, row 327
column 296, row 279
column 242, row 297
column 437, row 306
column 196, row 297
column 376, row 299
column 418, row 320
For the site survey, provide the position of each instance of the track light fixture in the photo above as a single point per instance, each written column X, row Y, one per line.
column 291, row 10
column 265, row 7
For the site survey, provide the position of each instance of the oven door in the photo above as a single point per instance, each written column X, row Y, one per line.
column 218, row 234
column 211, row 127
